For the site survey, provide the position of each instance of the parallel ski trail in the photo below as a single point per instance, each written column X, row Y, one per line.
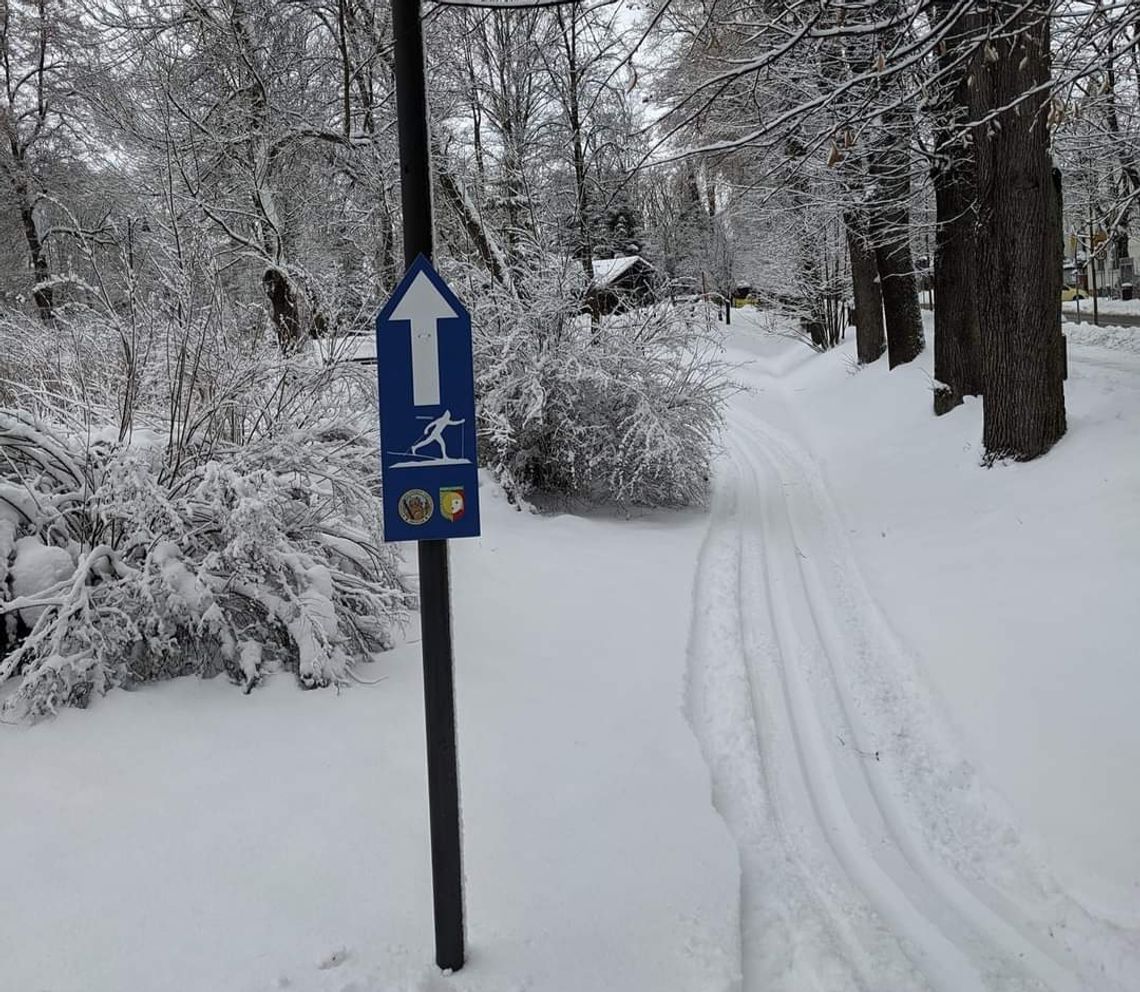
column 833, row 866
column 803, row 927
column 959, row 943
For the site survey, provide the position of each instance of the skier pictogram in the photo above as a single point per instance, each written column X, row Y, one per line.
column 433, row 434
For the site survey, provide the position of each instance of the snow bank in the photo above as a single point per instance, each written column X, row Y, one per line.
column 1114, row 338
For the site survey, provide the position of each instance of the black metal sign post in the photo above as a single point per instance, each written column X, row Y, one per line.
column 435, row 589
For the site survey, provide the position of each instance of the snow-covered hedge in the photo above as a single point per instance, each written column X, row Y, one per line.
column 244, row 541
column 177, row 498
column 626, row 409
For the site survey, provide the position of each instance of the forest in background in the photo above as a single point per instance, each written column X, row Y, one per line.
column 816, row 153
column 192, row 192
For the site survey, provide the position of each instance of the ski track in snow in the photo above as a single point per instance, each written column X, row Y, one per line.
column 830, row 771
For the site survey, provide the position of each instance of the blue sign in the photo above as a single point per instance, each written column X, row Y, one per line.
column 427, row 411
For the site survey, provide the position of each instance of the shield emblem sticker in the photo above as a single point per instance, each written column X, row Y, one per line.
column 452, row 503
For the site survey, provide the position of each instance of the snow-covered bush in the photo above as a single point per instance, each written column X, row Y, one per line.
column 231, row 527
column 626, row 409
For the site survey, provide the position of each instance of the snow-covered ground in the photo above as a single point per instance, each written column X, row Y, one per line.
column 937, row 663
column 187, row 838
column 1015, row 586
column 911, row 679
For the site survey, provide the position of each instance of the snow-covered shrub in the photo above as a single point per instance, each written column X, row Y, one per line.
column 626, row 409
column 241, row 536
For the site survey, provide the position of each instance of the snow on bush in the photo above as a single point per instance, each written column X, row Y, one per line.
column 178, row 498
column 241, row 537
column 626, row 409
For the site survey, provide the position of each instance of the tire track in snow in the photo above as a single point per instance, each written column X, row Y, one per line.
column 809, row 812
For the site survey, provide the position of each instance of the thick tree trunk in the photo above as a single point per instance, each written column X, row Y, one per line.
column 1019, row 258
column 37, row 254
column 41, row 291
column 957, row 339
column 870, row 339
column 890, row 229
column 903, row 316
column 282, row 308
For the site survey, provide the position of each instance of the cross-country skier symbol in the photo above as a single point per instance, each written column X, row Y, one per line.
column 433, row 434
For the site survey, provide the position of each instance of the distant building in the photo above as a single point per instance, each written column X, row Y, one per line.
column 1115, row 272
column 346, row 348
column 623, row 283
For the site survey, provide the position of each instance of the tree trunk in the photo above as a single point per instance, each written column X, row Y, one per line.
column 584, row 249
column 481, row 235
column 1059, row 203
column 387, row 250
column 282, row 308
column 870, row 339
column 41, row 290
column 957, row 339
column 1129, row 174
column 890, row 229
column 1019, row 258
column 901, row 311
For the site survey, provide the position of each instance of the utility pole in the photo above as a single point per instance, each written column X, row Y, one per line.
column 435, row 586
column 1074, row 240
column 1092, row 267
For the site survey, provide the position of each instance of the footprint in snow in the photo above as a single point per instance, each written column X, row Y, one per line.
column 333, row 960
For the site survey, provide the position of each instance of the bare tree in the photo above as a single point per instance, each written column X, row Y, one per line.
column 36, row 39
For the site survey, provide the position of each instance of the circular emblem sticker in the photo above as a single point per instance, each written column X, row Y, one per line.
column 416, row 507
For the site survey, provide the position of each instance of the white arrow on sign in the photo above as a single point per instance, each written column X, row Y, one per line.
column 423, row 306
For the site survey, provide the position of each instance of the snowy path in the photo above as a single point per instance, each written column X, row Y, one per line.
column 826, row 764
